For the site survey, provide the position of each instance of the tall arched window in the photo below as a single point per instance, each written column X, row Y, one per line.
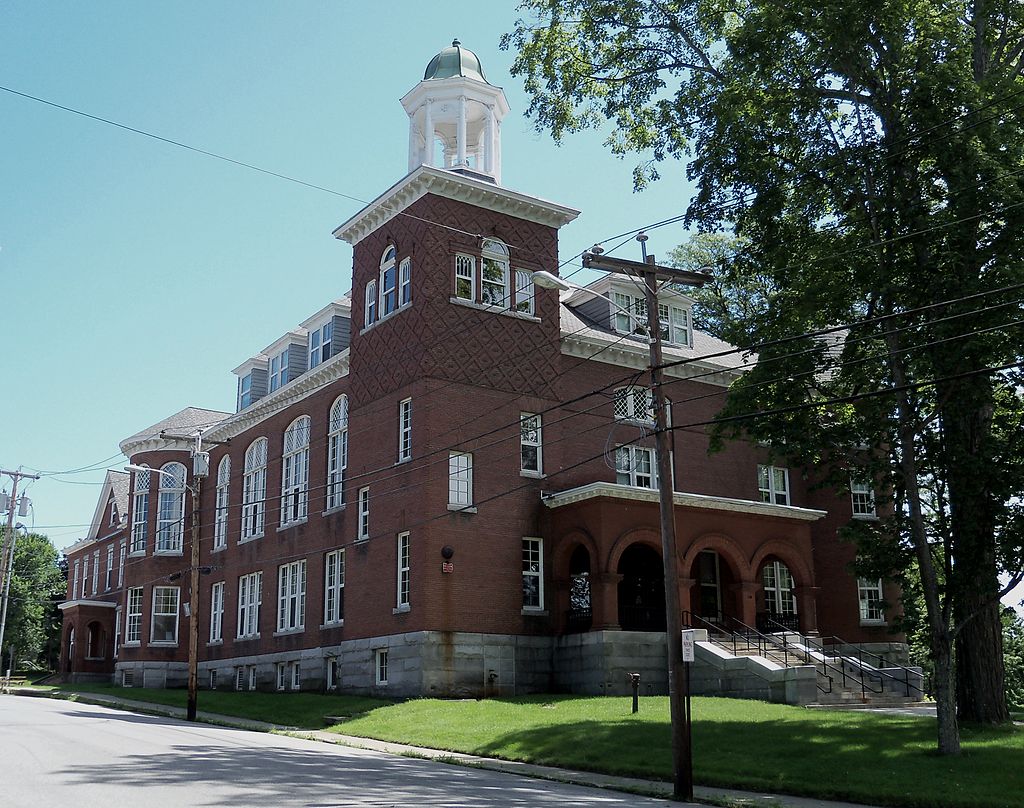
column 494, row 277
column 779, row 598
column 254, row 489
column 295, row 471
column 140, row 512
column 388, row 283
column 405, row 282
column 337, row 452
column 220, row 524
column 171, row 510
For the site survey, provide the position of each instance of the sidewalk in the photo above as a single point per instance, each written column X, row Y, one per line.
column 652, row 788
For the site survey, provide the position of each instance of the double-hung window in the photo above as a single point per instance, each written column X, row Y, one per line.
column 863, row 499
column 530, row 455
column 371, row 302
column 364, row 514
column 133, row 616
column 220, row 516
column 85, row 577
column 870, row 597
column 254, row 489
column 494, row 274
column 337, row 452
column 245, row 391
column 404, row 430
column 295, row 471
column 74, row 580
column 635, row 466
column 524, row 291
column 217, row 612
column 279, row 370
column 171, row 510
column 164, row 628
column 95, row 571
column 380, row 657
column 110, row 568
column 460, row 479
column 675, row 324
column 334, row 587
column 140, row 512
column 773, row 484
column 291, row 596
column 249, row 598
column 320, row 344
column 533, row 574
column 405, row 283
column 120, row 563
column 465, row 277
column 402, row 580
column 388, row 283
column 633, row 403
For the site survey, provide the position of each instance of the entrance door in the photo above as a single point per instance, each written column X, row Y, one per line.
column 779, row 598
column 709, row 581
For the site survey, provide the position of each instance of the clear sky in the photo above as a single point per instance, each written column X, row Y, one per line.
column 137, row 274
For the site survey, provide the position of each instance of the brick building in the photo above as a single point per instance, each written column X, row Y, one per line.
column 443, row 483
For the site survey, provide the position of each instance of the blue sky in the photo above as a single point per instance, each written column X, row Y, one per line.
column 138, row 274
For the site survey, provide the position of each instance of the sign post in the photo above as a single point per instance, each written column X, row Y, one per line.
column 689, row 647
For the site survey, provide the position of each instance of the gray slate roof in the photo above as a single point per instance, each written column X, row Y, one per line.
column 180, row 423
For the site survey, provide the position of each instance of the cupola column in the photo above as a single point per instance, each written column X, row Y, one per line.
column 428, row 135
column 460, row 134
column 489, row 141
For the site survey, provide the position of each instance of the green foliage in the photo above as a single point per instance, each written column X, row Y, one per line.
column 1013, row 654
column 37, row 583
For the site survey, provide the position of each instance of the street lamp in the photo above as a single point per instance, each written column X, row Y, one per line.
column 650, row 274
column 200, row 469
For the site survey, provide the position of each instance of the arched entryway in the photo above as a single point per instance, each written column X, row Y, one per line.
column 94, row 649
column 778, row 605
column 641, row 589
column 712, row 596
column 581, row 615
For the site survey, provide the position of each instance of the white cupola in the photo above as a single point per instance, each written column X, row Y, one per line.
column 456, row 111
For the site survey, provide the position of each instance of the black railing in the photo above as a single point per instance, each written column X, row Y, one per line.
column 767, row 622
column 578, row 620
column 642, row 618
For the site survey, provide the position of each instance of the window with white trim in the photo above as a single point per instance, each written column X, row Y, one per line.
column 282, row 675
column 332, row 674
column 465, row 277
column 530, row 453
column 140, row 512
column 337, row 452
column 635, row 466
column 279, row 370
column 633, row 403
column 250, row 596
column 291, row 596
column 675, row 324
column 524, row 291
column 460, row 479
column 405, row 430
column 380, row 658
column 164, row 623
column 405, row 283
column 75, row 579
column 95, row 571
column 388, row 283
column 296, row 675
column 117, row 630
column 674, row 321
column 494, row 274
column 245, row 391
column 533, row 574
column 133, row 616
column 364, row 514
column 319, row 343
column 863, row 496
column 334, row 587
column 773, row 484
column 85, row 577
column 109, row 579
column 217, row 612
column 113, row 513
column 254, row 489
column 240, row 678
column 370, row 309
column 402, row 588
column 120, row 563
column 779, row 594
column 213, row 679
column 171, row 509
column 220, row 516
column 295, row 471
column 870, row 598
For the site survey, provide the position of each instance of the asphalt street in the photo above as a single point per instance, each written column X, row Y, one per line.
column 65, row 753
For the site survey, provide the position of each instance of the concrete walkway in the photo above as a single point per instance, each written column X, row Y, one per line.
column 652, row 788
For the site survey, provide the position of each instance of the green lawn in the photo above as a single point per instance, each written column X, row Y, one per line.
column 857, row 756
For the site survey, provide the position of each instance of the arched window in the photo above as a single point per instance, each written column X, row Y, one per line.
column 370, row 311
column 171, row 511
column 220, row 524
column 388, row 283
column 295, row 471
column 494, row 274
column 140, row 512
column 337, row 452
column 779, row 598
column 405, row 283
column 524, row 291
column 254, row 489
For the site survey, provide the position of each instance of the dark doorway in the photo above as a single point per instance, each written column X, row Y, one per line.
column 641, row 590
column 580, row 616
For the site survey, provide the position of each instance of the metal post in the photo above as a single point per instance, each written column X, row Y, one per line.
column 193, row 611
column 634, row 679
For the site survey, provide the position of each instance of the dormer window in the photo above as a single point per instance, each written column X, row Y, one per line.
column 320, row 344
column 279, row 370
column 494, row 274
column 245, row 392
column 674, row 320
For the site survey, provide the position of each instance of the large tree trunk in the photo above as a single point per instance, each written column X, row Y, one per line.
column 942, row 684
column 980, row 685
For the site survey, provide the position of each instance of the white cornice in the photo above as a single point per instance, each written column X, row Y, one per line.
column 626, row 492
column 106, row 604
column 308, row 383
column 429, row 180
column 155, row 443
column 623, row 354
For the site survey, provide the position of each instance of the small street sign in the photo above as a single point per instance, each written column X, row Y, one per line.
column 688, row 645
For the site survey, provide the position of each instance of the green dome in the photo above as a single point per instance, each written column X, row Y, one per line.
column 455, row 61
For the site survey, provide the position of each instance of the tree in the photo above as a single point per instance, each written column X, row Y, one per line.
column 37, row 583
column 868, row 155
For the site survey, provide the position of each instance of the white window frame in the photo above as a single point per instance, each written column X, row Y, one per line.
column 85, row 577
column 870, row 596
column 122, row 553
column 291, row 596
column 244, row 391
column 95, row 571
column 217, row 612
column 774, row 575
column 220, row 517
column 460, row 480
column 75, row 579
column 334, row 588
column 113, row 513
column 494, row 292
column 773, row 484
column 250, row 598
column 388, row 266
column 370, row 310
column 331, row 673
column 633, row 403
column 363, row 527
column 161, row 610
column 533, row 568
column 133, row 616
column 140, row 511
column 524, row 292
column 254, row 490
column 117, row 630
column 405, row 283
column 282, row 675
column 862, row 499
column 170, row 516
column 531, row 438
column 633, row 322
column 319, row 344
column 465, row 276
column 296, row 675
column 675, row 324
column 403, row 572
column 404, row 430
column 109, row 578
column 636, row 466
column 295, row 471
column 380, row 666
column 337, row 452
column 278, row 375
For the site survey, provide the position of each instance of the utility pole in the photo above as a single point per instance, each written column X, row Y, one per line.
column 7, row 553
column 650, row 274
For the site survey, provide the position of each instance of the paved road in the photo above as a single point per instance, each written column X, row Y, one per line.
column 64, row 753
